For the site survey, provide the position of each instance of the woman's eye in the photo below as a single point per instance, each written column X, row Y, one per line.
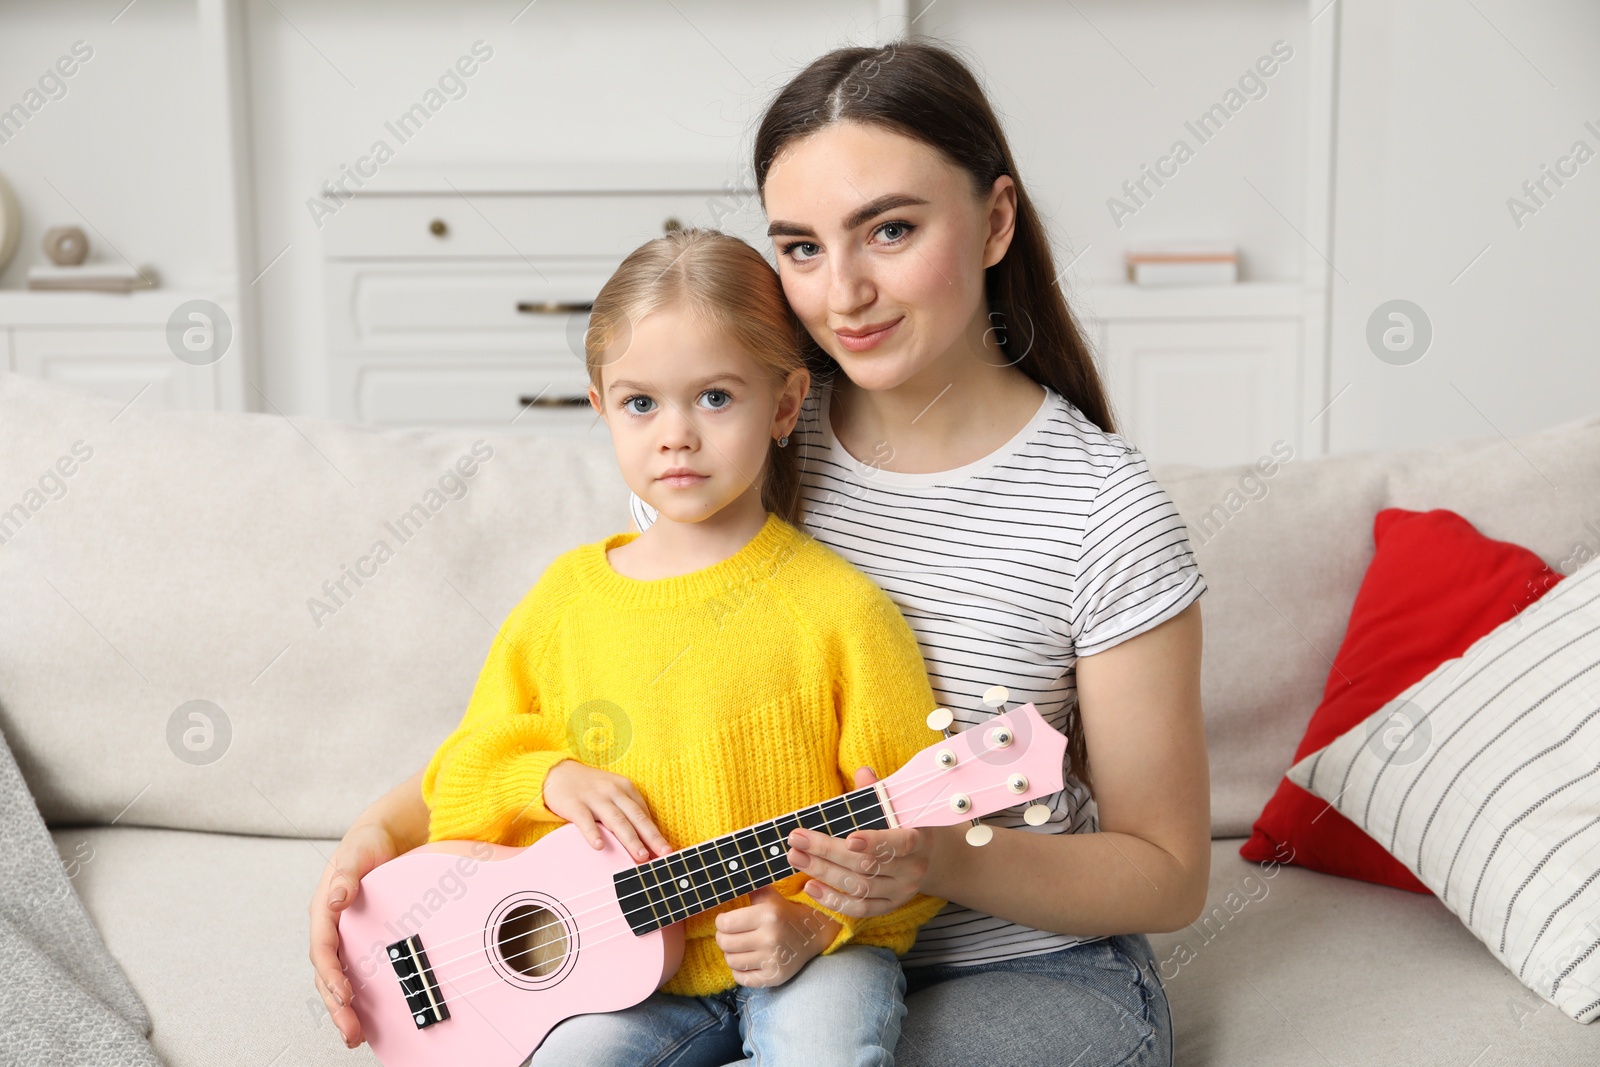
column 638, row 405
column 716, row 398
column 810, row 247
column 901, row 231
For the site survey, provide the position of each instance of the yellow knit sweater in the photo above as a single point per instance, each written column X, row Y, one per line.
column 729, row 696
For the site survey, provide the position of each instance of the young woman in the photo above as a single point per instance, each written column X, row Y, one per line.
column 961, row 453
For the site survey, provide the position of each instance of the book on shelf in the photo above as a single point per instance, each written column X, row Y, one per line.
column 1183, row 263
column 96, row 277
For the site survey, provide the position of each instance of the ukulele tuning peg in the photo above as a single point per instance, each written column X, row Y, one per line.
column 940, row 719
column 996, row 696
column 978, row 834
column 1036, row 815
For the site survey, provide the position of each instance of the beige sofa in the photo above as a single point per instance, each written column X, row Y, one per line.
column 236, row 559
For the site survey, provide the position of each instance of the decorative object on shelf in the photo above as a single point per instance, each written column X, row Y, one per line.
column 67, row 246
column 1182, row 263
column 10, row 223
column 99, row 277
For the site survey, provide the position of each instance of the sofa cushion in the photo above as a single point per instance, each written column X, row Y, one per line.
column 213, row 933
column 1435, row 586
column 1283, row 555
column 332, row 589
column 1489, row 795
column 1288, row 966
column 1283, row 970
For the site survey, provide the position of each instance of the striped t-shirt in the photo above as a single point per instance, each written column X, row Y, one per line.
column 1059, row 544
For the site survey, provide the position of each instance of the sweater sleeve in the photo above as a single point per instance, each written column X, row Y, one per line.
column 882, row 698
column 487, row 778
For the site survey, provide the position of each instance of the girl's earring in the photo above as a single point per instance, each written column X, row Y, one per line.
column 783, row 442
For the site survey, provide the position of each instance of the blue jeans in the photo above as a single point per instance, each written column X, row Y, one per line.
column 1098, row 1004
column 842, row 1010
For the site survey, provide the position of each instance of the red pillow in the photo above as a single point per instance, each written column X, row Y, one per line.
column 1435, row 585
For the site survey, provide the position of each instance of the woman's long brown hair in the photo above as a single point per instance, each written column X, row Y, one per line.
column 927, row 93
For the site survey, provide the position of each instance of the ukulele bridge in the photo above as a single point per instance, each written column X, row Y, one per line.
column 417, row 982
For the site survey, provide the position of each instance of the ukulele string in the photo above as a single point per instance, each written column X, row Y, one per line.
column 596, row 944
column 432, row 968
column 762, row 852
column 740, row 856
column 610, row 890
column 910, row 783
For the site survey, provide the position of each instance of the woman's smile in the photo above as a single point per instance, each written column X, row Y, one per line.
column 865, row 337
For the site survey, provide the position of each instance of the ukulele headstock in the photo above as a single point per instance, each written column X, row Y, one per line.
column 1001, row 762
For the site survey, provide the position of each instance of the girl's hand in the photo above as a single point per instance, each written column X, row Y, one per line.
column 870, row 872
column 585, row 795
column 362, row 849
column 770, row 939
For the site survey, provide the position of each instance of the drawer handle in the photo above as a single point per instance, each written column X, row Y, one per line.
column 553, row 307
column 542, row 401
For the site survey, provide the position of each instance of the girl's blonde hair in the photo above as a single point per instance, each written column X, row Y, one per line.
column 733, row 289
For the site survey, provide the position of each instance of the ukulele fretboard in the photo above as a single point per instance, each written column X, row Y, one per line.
column 690, row 881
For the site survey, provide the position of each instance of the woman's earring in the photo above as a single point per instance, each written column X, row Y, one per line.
column 783, row 442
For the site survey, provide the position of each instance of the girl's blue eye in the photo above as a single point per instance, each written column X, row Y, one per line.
column 725, row 401
column 628, row 405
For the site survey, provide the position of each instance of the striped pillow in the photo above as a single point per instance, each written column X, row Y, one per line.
column 1484, row 780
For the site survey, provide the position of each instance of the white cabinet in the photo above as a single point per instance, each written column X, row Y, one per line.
column 118, row 362
column 468, row 306
column 115, row 345
column 461, row 343
column 1209, row 375
column 528, row 222
column 1205, row 392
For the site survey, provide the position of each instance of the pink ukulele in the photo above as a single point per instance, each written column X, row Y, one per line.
column 455, row 961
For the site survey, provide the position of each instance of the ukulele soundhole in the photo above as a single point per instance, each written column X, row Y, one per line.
column 532, row 940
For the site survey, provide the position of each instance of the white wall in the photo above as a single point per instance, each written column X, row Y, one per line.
column 128, row 152
column 1092, row 91
column 1445, row 110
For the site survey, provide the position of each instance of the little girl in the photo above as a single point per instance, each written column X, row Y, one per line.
column 718, row 670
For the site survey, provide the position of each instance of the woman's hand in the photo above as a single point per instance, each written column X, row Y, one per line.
column 363, row 848
column 585, row 795
column 770, row 939
column 870, row 872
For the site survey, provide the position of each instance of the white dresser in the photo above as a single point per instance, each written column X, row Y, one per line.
column 117, row 345
column 461, row 299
